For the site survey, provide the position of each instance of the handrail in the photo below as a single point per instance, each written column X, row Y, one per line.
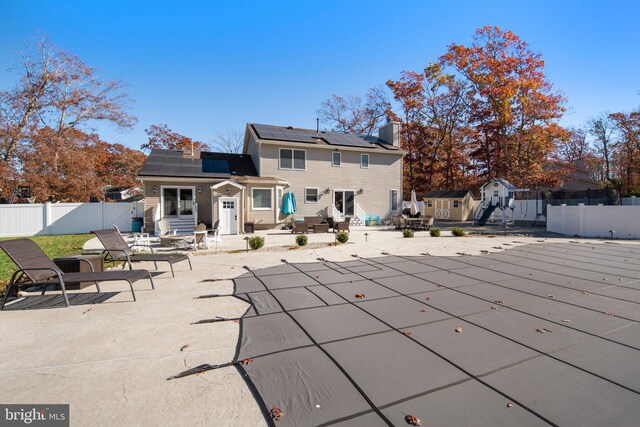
column 195, row 213
column 335, row 213
column 360, row 214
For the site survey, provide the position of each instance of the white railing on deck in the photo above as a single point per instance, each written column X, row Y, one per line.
column 195, row 213
column 360, row 214
column 336, row 214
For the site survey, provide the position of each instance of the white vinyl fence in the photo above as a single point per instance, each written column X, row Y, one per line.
column 595, row 221
column 66, row 218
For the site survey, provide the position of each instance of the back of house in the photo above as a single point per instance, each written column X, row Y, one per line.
column 330, row 174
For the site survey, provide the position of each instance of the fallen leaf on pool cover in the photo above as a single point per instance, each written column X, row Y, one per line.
column 499, row 301
column 585, row 293
column 423, row 311
column 184, row 347
column 360, row 296
column 428, row 298
column 566, row 320
column 246, row 361
column 276, row 413
column 407, row 332
column 413, row 420
column 609, row 314
column 551, row 296
column 509, row 405
column 458, row 329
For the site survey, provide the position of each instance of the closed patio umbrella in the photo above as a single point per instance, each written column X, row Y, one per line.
column 413, row 206
column 289, row 206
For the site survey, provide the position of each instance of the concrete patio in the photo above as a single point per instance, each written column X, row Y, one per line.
column 110, row 361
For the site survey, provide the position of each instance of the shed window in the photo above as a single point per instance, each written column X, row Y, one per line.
column 456, row 203
column 364, row 161
column 429, row 203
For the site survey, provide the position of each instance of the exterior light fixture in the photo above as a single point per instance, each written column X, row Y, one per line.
column 327, row 191
column 155, row 189
column 199, row 190
column 228, row 191
column 360, row 191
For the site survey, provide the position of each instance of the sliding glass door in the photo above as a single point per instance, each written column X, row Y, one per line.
column 177, row 202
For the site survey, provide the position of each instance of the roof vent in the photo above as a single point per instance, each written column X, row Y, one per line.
column 290, row 127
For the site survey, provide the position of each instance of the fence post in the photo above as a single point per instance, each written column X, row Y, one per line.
column 46, row 218
column 581, row 219
column 104, row 226
column 563, row 214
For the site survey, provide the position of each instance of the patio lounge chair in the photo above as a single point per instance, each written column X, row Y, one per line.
column 118, row 250
column 35, row 268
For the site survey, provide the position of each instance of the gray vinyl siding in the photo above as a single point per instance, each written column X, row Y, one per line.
column 383, row 174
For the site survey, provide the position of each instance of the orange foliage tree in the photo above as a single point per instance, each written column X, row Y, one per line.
column 514, row 109
column 43, row 124
column 160, row 136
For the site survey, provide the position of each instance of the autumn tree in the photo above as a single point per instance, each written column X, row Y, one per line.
column 43, row 120
column 160, row 136
column 514, row 111
column 627, row 149
column 575, row 146
column 354, row 114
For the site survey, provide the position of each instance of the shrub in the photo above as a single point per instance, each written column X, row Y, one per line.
column 435, row 232
column 407, row 232
column 342, row 237
column 302, row 239
column 457, row 231
column 256, row 242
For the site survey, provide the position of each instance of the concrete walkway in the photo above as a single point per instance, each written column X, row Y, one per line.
column 110, row 361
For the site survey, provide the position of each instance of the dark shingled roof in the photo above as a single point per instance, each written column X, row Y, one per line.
column 172, row 163
column 446, row 194
column 309, row 136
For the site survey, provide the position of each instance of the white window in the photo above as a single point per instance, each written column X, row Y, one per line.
column 336, row 159
column 429, row 203
column 293, row 159
column 456, row 203
column 364, row 161
column 311, row 195
column 394, row 200
column 261, row 199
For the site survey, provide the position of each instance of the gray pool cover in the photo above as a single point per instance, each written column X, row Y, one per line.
column 538, row 334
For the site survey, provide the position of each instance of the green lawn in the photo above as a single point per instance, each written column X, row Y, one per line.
column 53, row 246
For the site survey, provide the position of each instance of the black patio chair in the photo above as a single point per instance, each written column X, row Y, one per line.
column 35, row 268
column 118, row 250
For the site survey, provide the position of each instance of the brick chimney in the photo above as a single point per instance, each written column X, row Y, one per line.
column 390, row 133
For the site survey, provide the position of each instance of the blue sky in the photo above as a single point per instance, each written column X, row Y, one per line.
column 208, row 67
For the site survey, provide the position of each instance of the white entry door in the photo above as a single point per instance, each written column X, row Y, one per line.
column 228, row 214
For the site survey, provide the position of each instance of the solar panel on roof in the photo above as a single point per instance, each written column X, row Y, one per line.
column 348, row 140
column 215, row 166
